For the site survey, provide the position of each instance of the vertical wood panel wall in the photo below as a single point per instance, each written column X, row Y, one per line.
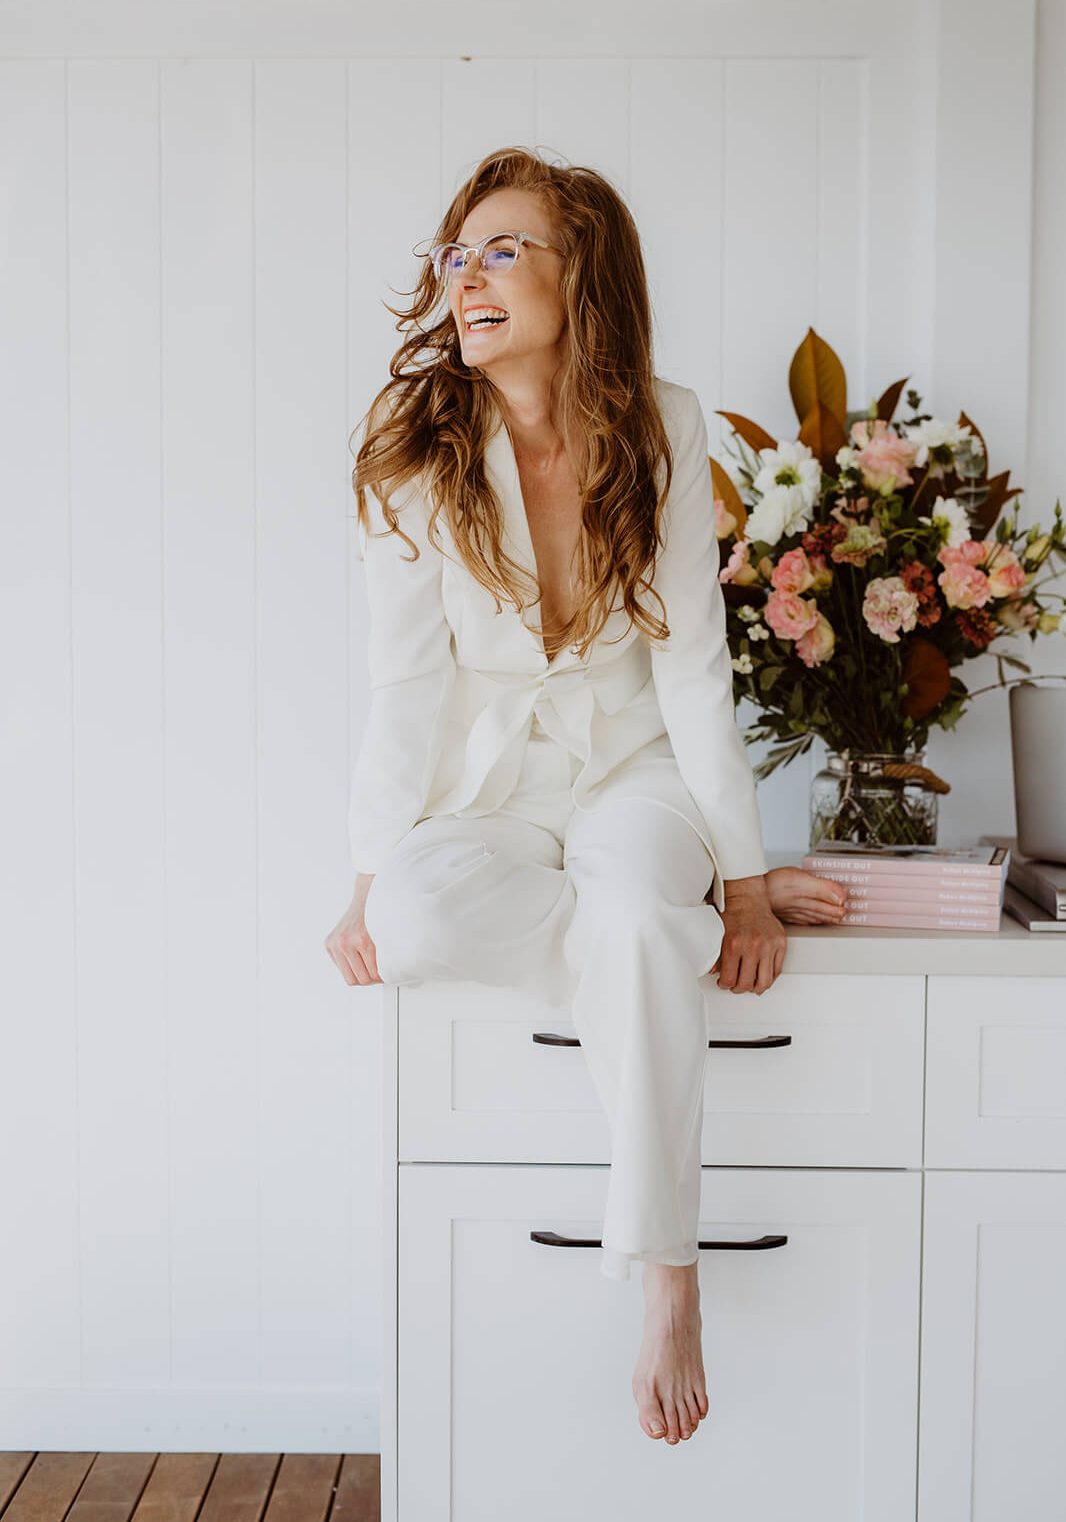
column 197, row 244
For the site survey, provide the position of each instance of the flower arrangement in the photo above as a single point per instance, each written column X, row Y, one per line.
column 860, row 566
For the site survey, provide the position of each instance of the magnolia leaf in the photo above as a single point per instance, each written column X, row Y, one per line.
column 823, row 433
column 998, row 496
column 816, row 375
column 888, row 401
column 927, row 675
column 726, row 492
column 750, row 432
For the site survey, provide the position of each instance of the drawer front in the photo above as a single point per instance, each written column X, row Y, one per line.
column 996, row 1056
column 817, row 1071
column 515, row 1357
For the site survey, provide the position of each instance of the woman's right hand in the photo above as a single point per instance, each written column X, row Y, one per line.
column 800, row 897
column 349, row 943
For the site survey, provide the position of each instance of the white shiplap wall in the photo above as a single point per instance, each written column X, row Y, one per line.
column 201, row 220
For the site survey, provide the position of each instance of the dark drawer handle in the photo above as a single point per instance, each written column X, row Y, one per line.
column 757, row 1244
column 552, row 1038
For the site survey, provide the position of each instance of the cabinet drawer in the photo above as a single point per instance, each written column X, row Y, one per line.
column 996, row 1062
column 516, row 1357
column 838, row 1082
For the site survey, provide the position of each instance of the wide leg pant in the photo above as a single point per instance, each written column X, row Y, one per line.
column 601, row 912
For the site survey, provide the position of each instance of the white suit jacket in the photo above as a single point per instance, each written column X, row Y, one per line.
column 454, row 684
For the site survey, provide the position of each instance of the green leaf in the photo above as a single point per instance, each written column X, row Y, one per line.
column 768, row 676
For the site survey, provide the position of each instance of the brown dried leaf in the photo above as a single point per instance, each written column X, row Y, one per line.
column 816, row 375
column 823, row 433
column 726, row 492
column 750, row 432
column 927, row 675
column 888, row 401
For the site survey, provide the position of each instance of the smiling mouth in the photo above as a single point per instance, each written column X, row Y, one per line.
column 483, row 323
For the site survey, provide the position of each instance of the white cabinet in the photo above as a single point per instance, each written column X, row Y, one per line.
column 840, row 1110
column 993, row 1347
column 515, row 1357
column 825, row 1072
column 997, row 1074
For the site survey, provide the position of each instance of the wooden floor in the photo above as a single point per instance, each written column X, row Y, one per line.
column 178, row 1487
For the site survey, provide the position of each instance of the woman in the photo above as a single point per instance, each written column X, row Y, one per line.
column 565, row 807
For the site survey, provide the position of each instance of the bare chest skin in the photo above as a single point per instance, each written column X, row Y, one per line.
column 553, row 512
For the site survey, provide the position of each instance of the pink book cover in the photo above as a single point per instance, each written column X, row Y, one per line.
column 887, row 894
column 934, row 920
column 985, row 862
column 910, row 882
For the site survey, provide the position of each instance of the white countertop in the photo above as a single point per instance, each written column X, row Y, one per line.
column 881, row 950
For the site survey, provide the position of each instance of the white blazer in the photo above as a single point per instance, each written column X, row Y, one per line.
column 454, row 684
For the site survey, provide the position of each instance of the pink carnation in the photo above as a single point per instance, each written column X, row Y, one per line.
column 792, row 573
column 964, row 586
column 816, row 645
column 883, row 455
column 969, row 552
column 789, row 616
column 888, row 607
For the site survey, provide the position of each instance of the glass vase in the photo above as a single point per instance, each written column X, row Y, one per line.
column 875, row 798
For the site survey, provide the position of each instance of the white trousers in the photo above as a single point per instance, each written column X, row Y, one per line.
column 602, row 912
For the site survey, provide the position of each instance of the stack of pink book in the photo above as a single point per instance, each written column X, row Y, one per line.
column 920, row 887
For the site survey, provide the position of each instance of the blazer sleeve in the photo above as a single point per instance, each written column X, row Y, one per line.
column 411, row 662
column 693, row 672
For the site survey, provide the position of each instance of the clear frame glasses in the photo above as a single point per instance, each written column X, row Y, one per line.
column 498, row 252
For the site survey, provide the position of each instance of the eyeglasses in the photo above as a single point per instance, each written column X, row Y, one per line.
column 498, row 252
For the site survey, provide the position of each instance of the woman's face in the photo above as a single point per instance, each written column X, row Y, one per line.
column 529, row 292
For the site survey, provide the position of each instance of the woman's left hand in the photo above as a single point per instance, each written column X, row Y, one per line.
column 754, row 942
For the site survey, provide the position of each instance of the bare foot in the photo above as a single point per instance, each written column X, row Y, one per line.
column 668, row 1382
column 799, row 897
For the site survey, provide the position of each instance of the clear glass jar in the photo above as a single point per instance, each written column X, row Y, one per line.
column 874, row 798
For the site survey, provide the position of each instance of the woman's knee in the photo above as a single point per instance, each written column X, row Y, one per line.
column 416, row 907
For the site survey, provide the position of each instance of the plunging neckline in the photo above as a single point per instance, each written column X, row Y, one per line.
column 531, row 555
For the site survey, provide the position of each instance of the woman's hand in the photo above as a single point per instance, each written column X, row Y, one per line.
column 349, row 943
column 802, row 898
column 754, row 943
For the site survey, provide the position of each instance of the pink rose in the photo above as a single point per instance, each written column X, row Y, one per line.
column 964, row 586
column 724, row 521
column 889, row 607
column 792, row 572
column 737, row 567
column 883, row 455
column 1019, row 614
column 816, row 645
column 1005, row 572
column 789, row 616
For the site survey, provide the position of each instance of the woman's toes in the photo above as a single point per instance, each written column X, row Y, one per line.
column 673, row 1425
column 652, row 1420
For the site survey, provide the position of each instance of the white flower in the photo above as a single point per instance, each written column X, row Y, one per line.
column 747, row 612
column 793, row 466
column 783, row 510
column 947, row 511
column 759, row 631
column 743, row 664
column 933, row 434
column 847, row 458
column 789, row 479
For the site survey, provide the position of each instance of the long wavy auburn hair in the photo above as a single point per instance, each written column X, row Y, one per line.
column 431, row 420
